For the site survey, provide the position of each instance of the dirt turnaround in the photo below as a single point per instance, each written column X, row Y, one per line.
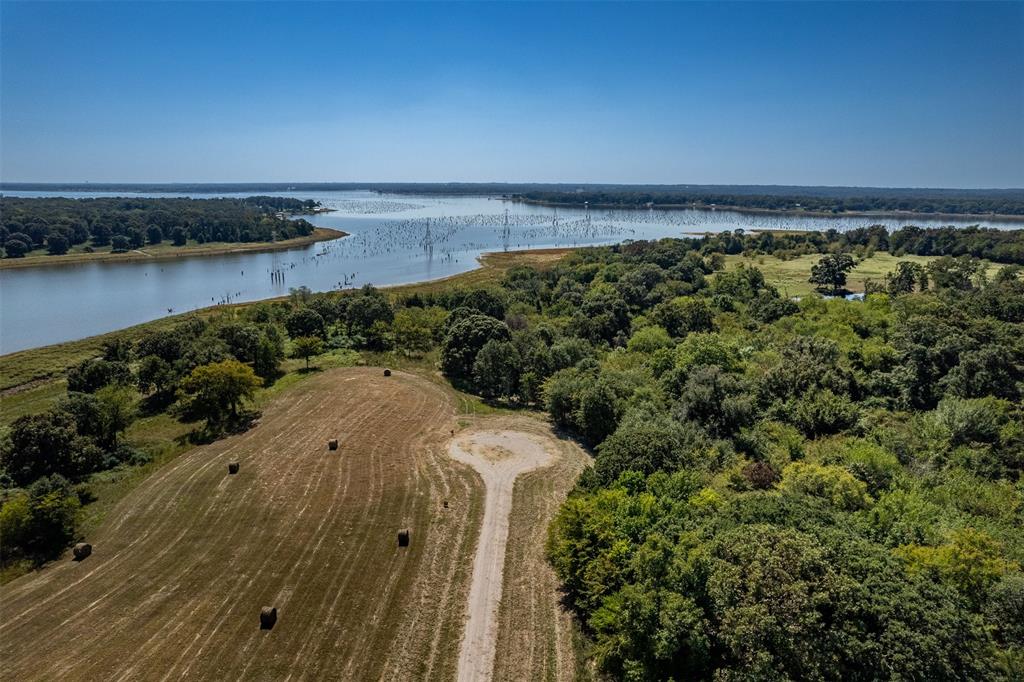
column 499, row 456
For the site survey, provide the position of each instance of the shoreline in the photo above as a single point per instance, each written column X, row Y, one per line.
column 790, row 212
column 320, row 234
column 67, row 353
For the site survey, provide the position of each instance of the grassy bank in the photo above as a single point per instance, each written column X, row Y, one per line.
column 32, row 379
column 165, row 251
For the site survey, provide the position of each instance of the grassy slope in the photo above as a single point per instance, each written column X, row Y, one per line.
column 790, row 276
column 165, row 251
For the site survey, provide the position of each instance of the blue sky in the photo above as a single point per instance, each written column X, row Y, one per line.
column 765, row 93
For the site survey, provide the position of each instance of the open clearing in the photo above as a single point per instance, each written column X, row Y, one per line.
column 182, row 566
column 790, row 276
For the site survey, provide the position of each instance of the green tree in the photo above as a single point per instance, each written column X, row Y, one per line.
column 496, row 370
column 306, row 347
column 646, row 443
column 119, row 244
column 269, row 352
column 156, row 374
column 57, row 244
column 15, row 248
column 215, row 391
column 649, row 339
column 904, row 278
column 39, row 522
column 465, row 339
column 833, row 484
column 91, row 375
column 366, row 308
column 830, row 272
column 683, row 315
column 118, row 408
column 304, row 322
column 40, row 445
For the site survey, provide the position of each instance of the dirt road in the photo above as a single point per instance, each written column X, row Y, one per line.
column 500, row 457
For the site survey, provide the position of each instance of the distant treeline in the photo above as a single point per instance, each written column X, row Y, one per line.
column 1000, row 246
column 931, row 201
column 59, row 223
column 769, row 197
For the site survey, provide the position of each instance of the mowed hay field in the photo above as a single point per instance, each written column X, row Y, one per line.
column 181, row 567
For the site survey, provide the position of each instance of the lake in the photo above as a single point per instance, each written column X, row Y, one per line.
column 394, row 239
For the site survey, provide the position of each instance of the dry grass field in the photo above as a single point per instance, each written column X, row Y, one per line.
column 182, row 566
column 183, row 563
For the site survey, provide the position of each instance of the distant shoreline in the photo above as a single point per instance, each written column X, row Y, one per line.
column 319, row 234
column 782, row 211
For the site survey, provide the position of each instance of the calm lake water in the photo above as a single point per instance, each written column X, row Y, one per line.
column 394, row 239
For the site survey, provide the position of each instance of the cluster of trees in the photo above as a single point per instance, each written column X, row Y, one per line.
column 196, row 370
column 1002, row 203
column 817, row 490
column 1000, row 246
column 58, row 224
column 783, row 197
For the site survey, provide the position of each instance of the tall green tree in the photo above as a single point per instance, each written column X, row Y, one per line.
column 215, row 391
column 306, row 347
column 830, row 272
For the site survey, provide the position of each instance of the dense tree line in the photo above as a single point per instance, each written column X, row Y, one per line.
column 934, row 202
column 1000, row 246
column 58, row 224
column 776, row 197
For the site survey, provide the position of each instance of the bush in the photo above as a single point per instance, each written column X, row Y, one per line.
column 39, row 523
column 822, row 413
column 835, row 485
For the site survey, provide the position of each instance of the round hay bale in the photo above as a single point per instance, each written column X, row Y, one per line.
column 232, row 467
column 403, row 538
column 332, row 444
column 82, row 550
column 387, row 372
column 268, row 616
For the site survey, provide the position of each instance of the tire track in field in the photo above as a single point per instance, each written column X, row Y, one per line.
column 179, row 598
column 180, row 574
column 224, row 609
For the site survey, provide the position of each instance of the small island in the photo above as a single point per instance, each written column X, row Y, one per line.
column 62, row 231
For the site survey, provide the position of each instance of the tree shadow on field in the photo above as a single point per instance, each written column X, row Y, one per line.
column 245, row 420
column 308, row 370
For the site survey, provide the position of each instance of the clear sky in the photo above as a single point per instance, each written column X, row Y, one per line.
column 817, row 94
